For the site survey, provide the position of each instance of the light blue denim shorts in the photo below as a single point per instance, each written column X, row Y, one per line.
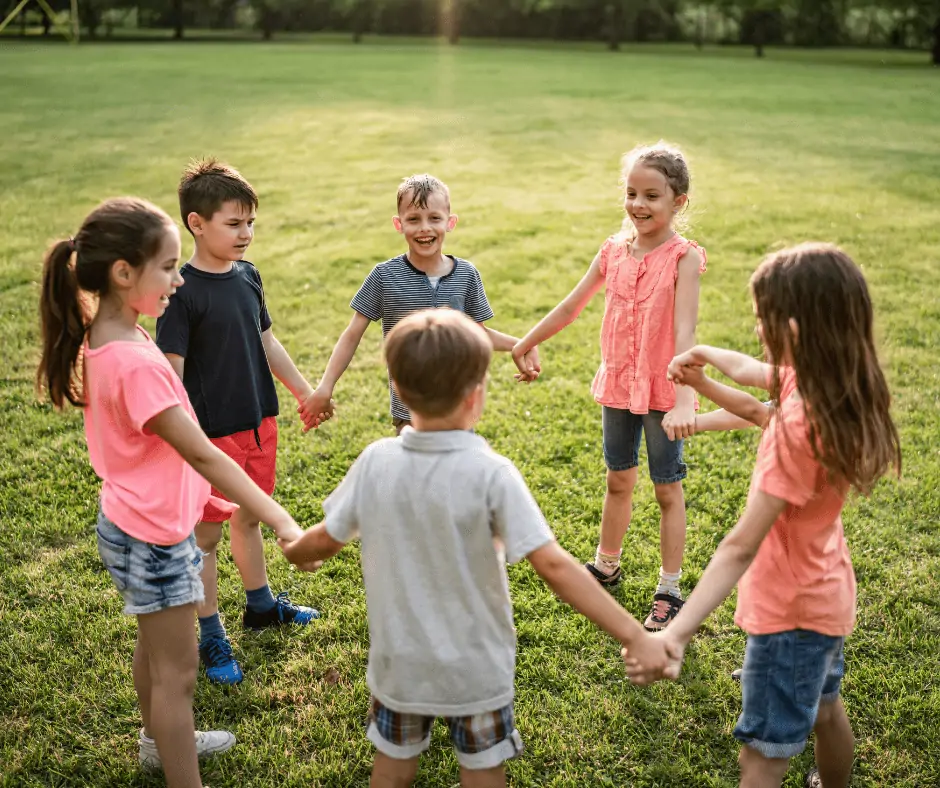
column 786, row 677
column 150, row 577
column 623, row 431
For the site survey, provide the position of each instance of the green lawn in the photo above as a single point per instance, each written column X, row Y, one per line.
column 528, row 138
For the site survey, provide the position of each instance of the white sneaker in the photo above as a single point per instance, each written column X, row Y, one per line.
column 208, row 743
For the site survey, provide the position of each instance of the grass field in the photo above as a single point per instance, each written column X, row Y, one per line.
column 528, row 139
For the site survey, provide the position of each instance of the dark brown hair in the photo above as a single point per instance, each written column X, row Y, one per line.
column 207, row 184
column 124, row 228
column 840, row 381
column 421, row 187
column 435, row 359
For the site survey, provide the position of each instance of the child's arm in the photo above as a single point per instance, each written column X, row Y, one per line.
column 505, row 342
column 313, row 548
column 177, row 362
column 178, row 429
column 679, row 422
column 283, row 367
column 720, row 421
column 571, row 582
column 732, row 558
column 742, row 369
column 562, row 315
column 737, row 403
column 321, row 400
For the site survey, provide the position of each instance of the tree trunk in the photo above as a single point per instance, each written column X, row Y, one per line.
column 613, row 28
column 936, row 42
column 46, row 24
column 453, row 21
column 177, row 18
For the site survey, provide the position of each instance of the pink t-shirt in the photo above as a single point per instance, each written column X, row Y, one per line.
column 637, row 334
column 802, row 577
column 148, row 490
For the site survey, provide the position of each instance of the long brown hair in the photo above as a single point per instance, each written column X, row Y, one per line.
column 840, row 381
column 75, row 272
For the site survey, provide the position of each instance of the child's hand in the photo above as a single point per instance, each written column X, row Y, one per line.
column 288, row 548
column 532, row 367
column 654, row 657
column 679, row 423
column 315, row 409
column 287, row 530
column 686, row 368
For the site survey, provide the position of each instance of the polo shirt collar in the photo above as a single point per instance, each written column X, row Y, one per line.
column 445, row 440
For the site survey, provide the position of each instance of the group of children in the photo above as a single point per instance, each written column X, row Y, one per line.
column 183, row 434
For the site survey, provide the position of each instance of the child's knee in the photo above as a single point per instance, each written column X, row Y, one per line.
column 621, row 482
column 669, row 496
column 830, row 714
column 208, row 536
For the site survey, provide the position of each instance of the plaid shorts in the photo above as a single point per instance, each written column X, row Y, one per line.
column 482, row 741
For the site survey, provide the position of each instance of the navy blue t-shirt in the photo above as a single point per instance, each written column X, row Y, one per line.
column 215, row 322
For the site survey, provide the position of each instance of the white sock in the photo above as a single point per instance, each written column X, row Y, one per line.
column 608, row 563
column 669, row 583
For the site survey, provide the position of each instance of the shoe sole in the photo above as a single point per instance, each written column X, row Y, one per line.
column 153, row 762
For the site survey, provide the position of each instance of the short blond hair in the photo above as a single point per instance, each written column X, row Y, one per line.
column 436, row 357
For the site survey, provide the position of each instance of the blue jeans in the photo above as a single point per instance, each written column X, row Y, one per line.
column 622, row 433
column 785, row 678
column 150, row 577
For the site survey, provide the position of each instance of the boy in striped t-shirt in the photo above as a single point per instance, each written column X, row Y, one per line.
column 422, row 278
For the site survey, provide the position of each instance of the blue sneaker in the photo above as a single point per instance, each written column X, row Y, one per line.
column 221, row 666
column 283, row 612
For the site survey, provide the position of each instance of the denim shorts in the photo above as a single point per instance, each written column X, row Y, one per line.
column 786, row 677
column 622, row 433
column 150, row 577
column 482, row 741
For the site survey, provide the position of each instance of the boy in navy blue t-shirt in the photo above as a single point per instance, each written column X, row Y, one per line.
column 216, row 333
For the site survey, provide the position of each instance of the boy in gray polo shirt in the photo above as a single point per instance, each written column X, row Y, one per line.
column 438, row 514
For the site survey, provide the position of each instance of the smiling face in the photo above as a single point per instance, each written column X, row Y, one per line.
column 425, row 228
column 649, row 201
column 153, row 283
column 227, row 234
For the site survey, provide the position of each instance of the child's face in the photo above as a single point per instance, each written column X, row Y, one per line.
column 649, row 201
column 152, row 284
column 228, row 233
column 425, row 228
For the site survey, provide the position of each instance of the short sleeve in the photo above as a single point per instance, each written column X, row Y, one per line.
column 341, row 508
column 605, row 252
column 147, row 389
column 786, row 467
column 515, row 516
column 368, row 301
column 477, row 306
column 264, row 317
column 173, row 326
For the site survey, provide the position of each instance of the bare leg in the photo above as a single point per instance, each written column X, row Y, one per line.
column 393, row 773
column 483, row 778
column 142, row 680
column 760, row 772
column 207, row 538
column 248, row 550
column 671, row 525
column 173, row 664
column 618, row 507
column 835, row 745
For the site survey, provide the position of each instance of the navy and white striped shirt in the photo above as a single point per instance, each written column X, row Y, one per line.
column 394, row 289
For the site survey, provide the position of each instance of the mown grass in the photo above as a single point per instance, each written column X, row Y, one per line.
column 528, row 138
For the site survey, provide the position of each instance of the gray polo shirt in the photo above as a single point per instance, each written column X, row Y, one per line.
column 438, row 515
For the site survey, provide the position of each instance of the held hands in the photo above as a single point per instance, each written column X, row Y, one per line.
column 687, row 369
column 653, row 657
column 316, row 408
column 291, row 552
column 527, row 362
column 679, row 423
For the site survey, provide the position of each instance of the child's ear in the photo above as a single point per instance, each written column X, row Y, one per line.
column 451, row 222
column 396, row 221
column 122, row 273
column 680, row 202
column 195, row 222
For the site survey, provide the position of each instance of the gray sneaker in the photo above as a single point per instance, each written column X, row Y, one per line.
column 208, row 743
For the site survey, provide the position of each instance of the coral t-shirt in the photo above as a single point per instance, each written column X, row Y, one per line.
column 149, row 491
column 802, row 577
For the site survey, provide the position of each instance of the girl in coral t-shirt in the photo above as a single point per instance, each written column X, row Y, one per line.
column 828, row 429
column 152, row 457
column 652, row 278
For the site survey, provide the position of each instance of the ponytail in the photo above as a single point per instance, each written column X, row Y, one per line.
column 63, row 327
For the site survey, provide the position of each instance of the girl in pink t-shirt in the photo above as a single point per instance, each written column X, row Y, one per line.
column 827, row 429
column 652, row 278
column 154, row 461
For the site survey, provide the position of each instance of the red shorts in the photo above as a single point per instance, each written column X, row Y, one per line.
column 256, row 454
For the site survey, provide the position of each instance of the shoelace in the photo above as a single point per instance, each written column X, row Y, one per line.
column 284, row 605
column 219, row 651
column 660, row 610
